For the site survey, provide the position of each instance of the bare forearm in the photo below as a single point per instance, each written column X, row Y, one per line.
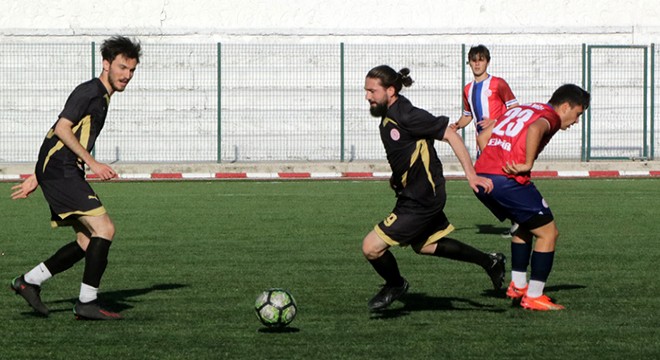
column 463, row 121
column 459, row 149
column 534, row 137
column 483, row 137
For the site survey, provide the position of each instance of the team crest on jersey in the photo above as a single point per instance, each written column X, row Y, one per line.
column 395, row 134
column 488, row 92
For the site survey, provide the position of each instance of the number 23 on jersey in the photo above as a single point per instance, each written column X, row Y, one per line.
column 514, row 122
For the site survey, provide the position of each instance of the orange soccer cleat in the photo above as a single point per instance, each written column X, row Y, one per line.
column 515, row 293
column 541, row 303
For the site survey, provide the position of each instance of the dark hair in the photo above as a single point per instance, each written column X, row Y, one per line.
column 479, row 50
column 388, row 77
column 572, row 94
column 120, row 45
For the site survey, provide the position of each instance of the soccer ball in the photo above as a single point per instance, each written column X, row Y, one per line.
column 275, row 308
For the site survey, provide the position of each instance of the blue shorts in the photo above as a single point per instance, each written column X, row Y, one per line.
column 522, row 204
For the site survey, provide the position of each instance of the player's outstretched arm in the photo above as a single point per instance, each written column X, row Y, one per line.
column 462, row 122
column 24, row 189
column 457, row 145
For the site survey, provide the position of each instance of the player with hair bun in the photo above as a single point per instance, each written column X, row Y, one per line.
column 418, row 219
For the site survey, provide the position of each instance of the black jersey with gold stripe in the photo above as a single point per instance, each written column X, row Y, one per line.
column 86, row 107
column 408, row 134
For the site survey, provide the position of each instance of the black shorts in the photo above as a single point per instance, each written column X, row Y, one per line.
column 70, row 197
column 414, row 225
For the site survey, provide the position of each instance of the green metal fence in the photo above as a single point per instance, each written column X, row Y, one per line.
column 617, row 123
column 305, row 102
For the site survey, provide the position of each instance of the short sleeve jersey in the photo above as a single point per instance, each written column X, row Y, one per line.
column 508, row 142
column 487, row 99
column 86, row 107
column 408, row 134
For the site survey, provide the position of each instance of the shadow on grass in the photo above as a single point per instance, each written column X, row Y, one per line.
column 118, row 300
column 490, row 229
column 422, row 302
column 498, row 294
column 279, row 330
column 564, row 287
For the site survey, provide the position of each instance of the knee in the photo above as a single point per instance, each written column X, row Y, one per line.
column 369, row 252
column 546, row 240
column 107, row 231
column 110, row 231
column 373, row 247
column 553, row 235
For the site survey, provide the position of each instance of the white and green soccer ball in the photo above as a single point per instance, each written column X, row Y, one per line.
column 275, row 308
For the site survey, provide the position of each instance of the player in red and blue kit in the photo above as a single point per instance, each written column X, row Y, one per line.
column 485, row 98
column 515, row 142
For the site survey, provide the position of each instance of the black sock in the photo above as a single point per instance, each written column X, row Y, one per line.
column 388, row 269
column 456, row 250
column 64, row 258
column 520, row 255
column 541, row 265
column 96, row 259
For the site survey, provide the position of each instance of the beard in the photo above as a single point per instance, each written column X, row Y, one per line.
column 115, row 87
column 379, row 110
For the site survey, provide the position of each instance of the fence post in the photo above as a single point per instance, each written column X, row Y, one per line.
column 93, row 59
column 646, row 69
column 93, row 75
column 219, row 139
column 651, row 155
column 463, row 81
column 342, row 118
column 587, row 123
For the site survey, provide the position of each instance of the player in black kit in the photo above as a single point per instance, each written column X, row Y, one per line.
column 60, row 171
column 418, row 219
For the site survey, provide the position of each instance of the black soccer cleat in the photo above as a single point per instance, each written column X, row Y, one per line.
column 497, row 269
column 30, row 293
column 387, row 295
column 93, row 311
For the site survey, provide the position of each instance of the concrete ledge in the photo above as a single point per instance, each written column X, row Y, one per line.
column 337, row 170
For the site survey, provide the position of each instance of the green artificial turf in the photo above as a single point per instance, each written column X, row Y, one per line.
column 189, row 259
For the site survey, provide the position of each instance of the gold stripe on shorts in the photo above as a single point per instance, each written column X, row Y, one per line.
column 388, row 240
column 67, row 222
column 431, row 239
column 435, row 237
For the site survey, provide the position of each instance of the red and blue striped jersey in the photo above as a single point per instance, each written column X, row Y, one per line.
column 487, row 99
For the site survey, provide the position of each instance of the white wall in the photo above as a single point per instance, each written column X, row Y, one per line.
column 178, row 74
column 447, row 21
